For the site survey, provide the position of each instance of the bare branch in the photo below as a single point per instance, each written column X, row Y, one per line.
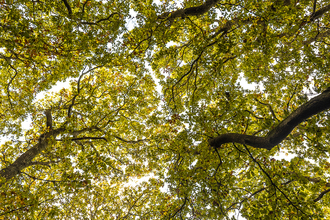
column 317, row 37
column 180, row 209
column 10, row 82
column 83, row 9
column 79, row 88
column 314, row 7
column 294, row 92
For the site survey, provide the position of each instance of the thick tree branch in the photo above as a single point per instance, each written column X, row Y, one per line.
column 320, row 12
column 26, row 158
column 192, row 11
column 49, row 119
column 67, row 6
column 281, row 131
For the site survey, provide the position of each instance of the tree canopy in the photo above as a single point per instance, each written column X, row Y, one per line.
column 155, row 121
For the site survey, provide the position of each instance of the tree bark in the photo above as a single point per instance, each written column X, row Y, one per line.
column 281, row 131
column 26, row 158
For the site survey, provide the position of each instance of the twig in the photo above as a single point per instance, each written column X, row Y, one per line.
column 102, row 19
column 270, row 179
column 270, row 108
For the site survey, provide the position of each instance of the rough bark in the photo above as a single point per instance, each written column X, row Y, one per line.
column 192, row 11
column 281, row 131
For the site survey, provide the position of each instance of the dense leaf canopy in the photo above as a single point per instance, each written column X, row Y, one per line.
column 156, row 120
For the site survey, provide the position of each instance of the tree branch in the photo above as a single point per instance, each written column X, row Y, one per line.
column 271, row 180
column 25, row 160
column 49, row 119
column 102, row 19
column 67, row 6
column 319, row 13
column 282, row 130
column 85, row 138
column 192, row 11
column 321, row 195
column 270, row 108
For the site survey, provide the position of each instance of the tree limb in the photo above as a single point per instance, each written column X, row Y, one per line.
column 192, row 11
column 321, row 195
column 25, row 160
column 282, row 130
column 319, row 13
column 270, row 108
column 102, row 19
column 67, row 6
column 85, row 138
column 49, row 119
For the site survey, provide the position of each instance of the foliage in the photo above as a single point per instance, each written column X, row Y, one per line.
column 149, row 84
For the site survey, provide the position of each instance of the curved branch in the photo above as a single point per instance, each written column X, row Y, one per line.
column 192, row 11
column 321, row 195
column 281, row 131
